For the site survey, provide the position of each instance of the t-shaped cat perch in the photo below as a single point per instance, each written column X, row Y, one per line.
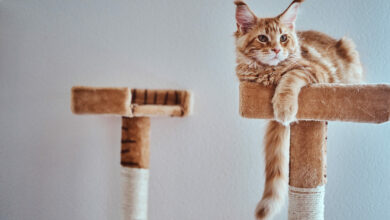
column 136, row 106
column 317, row 104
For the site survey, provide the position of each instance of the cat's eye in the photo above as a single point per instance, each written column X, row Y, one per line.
column 283, row 38
column 262, row 38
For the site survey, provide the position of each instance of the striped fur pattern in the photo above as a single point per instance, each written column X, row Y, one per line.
column 270, row 51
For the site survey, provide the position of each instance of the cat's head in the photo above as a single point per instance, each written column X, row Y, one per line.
column 267, row 41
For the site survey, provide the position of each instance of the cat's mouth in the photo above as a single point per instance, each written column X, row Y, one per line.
column 273, row 60
column 269, row 59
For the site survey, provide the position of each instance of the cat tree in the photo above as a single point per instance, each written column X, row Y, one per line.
column 136, row 106
column 318, row 104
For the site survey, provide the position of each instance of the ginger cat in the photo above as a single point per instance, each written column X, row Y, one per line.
column 270, row 51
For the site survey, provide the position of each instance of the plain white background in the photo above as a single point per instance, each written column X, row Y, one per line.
column 55, row 165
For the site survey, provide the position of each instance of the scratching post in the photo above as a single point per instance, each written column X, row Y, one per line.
column 135, row 166
column 307, row 170
column 136, row 106
column 317, row 104
column 135, row 142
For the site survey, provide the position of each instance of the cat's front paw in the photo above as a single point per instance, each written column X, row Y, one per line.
column 285, row 110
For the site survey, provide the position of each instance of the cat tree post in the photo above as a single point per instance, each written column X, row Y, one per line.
column 136, row 107
column 317, row 104
column 307, row 170
column 135, row 166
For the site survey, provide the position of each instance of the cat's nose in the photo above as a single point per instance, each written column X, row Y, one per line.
column 276, row 50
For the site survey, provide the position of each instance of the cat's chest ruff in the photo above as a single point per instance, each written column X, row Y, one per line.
column 271, row 75
column 266, row 75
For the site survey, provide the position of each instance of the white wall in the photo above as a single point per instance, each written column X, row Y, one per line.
column 55, row 165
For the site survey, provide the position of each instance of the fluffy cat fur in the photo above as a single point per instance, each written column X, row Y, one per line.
column 270, row 51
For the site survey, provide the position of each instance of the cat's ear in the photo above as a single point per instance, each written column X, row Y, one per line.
column 245, row 18
column 289, row 16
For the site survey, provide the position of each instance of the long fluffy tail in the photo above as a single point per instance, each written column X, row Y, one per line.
column 277, row 143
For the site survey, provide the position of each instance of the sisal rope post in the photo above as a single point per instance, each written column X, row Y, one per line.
column 135, row 167
column 307, row 170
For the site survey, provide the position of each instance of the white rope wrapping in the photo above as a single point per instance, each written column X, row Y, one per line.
column 135, row 193
column 306, row 204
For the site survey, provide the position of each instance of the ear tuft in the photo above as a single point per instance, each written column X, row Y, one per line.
column 289, row 16
column 239, row 2
column 245, row 18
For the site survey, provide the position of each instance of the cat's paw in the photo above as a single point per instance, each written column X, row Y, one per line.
column 285, row 110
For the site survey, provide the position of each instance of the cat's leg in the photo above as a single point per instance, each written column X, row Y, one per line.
column 285, row 100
